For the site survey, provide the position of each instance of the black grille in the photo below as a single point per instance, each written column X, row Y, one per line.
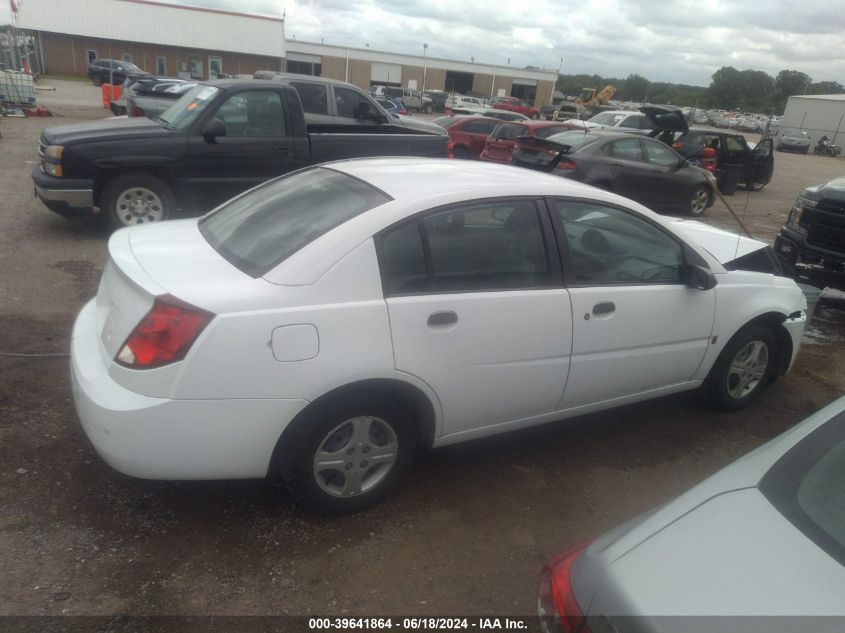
column 833, row 206
column 827, row 232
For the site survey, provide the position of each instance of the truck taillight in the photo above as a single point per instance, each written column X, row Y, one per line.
column 136, row 111
column 164, row 335
column 450, row 150
column 556, row 604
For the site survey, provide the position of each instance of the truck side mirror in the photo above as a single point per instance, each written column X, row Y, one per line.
column 214, row 128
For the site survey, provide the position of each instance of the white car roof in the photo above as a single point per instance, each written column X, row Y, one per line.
column 421, row 184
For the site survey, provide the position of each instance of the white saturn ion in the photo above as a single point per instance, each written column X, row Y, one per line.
column 322, row 326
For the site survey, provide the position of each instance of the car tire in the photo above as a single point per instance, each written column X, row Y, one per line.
column 428, row 108
column 343, row 433
column 135, row 198
column 699, row 201
column 745, row 366
column 97, row 80
column 806, row 151
column 460, row 152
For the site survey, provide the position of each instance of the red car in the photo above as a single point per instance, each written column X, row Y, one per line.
column 469, row 133
column 516, row 105
column 499, row 144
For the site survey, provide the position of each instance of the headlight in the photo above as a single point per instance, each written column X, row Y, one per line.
column 797, row 214
column 54, row 151
column 52, row 160
column 53, row 170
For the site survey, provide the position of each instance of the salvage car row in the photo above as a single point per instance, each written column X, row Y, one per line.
column 376, row 307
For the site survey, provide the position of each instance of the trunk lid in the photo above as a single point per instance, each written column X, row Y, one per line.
column 168, row 258
column 666, row 118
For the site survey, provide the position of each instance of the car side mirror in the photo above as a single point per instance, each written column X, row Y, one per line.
column 699, row 277
column 214, row 128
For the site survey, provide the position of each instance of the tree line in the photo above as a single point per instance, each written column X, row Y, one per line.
column 729, row 89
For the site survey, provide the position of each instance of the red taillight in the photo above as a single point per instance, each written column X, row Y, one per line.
column 164, row 335
column 557, row 599
column 678, row 145
column 136, row 111
column 450, row 150
column 565, row 164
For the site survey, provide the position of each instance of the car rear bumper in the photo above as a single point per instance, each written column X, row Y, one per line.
column 161, row 438
column 65, row 196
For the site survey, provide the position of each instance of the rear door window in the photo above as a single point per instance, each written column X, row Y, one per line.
column 474, row 126
column 473, row 248
column 627, row 149
column 314, row 97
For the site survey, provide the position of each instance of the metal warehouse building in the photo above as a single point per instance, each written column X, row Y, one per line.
column 195, row 43
column 818, row 115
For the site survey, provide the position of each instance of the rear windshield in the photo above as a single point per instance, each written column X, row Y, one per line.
column 572, row 138
column 808, row 485
column 261, row 228
column 508, row 131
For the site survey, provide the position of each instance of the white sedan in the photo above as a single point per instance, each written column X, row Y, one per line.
column 322, row 326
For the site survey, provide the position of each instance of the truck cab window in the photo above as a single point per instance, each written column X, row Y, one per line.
column 250, row 114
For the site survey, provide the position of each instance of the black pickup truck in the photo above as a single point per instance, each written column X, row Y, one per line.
column 811, row 245
column 219, row 139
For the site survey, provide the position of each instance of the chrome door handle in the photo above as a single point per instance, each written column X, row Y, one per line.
column 447, row 317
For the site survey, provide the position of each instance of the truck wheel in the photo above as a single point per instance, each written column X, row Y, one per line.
column 137, row 198
column 97, row 80
column 347, row 455
column 743, row 368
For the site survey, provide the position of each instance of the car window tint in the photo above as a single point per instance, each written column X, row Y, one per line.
column 610, row 246
column 508, row 131
column 734, row 145
column 261, row 228
column 403, row 260
column 314, row 97
column 630, row 122
column 479, row 126
column 348, row 101
column 253, row 114
column 658, row 154
column 488, row 246
column 626, row 149
column 644, row 123
column 822, row 490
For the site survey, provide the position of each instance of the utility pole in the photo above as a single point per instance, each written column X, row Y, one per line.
column 425, row 64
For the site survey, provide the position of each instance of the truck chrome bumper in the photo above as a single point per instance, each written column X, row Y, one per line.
column 74, row 198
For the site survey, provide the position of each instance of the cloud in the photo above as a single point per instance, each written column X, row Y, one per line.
column 682, row 41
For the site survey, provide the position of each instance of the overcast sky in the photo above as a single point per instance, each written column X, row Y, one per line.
column 679, row 40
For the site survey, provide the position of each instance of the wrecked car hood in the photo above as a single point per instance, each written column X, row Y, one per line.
column 725, row 246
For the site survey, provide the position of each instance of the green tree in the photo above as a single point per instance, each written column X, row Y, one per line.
column 788, row 83
column 634, row 88
column 826, row 88
column 726, row 88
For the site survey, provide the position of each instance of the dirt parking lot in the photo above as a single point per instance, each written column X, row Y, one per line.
column 466, row 534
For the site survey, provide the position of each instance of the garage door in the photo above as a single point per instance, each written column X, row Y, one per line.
column 386, row 74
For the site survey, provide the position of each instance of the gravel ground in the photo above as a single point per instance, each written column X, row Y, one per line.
column 466, row 534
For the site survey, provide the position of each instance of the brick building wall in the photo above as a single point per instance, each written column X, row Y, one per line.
column 68, row 54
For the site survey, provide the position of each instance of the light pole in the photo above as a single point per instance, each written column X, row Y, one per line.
column 554, row 85
column 425, row 65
